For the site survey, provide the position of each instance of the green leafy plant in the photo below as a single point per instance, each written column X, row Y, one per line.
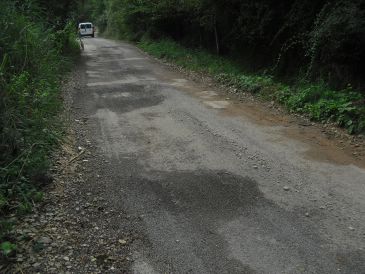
column 34, row 55
column 7, row 248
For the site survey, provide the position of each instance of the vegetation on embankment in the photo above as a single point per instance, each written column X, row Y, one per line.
column 318, row 101
column 35, row 52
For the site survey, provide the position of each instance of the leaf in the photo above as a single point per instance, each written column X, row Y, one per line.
column 7, row 248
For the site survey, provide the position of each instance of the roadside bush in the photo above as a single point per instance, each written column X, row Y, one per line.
column 33, row 59
column 345, row 107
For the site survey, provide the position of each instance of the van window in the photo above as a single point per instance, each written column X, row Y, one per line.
column 86, row 26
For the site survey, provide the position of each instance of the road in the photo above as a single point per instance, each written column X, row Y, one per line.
column 217, row 187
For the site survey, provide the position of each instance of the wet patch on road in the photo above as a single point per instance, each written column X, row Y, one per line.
column 217, row 214
column 127, row 97
column 215, row 193
column 179, row 211
column 323, row 149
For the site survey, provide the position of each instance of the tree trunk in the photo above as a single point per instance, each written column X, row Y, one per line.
column 216, row 36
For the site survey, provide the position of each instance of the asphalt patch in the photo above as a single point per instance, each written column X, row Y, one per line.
column 141, row 96
column 228, row 214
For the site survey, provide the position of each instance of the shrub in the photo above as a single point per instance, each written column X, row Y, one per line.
column 33, row 59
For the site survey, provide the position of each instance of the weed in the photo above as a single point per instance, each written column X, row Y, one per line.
column 33, row 59
column 7, row 248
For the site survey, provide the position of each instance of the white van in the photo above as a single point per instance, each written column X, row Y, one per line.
column 86, row 29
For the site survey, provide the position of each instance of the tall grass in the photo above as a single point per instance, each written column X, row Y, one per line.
column 316, row 100
column 33, row 59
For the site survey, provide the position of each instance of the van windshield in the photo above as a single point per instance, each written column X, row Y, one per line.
column 86, row 26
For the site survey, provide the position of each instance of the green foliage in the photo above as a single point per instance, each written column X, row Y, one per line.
column 318, row 101
column 5, row 227
column 345, row 107
column 198, row 60
column 7, row 248
column 34, row 55
column 66, row 40
column 249, row 83
column 336, row 41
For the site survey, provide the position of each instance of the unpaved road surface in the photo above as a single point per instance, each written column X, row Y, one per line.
column 212, row 187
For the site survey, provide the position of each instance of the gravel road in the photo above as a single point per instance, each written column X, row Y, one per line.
column 212, row 187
